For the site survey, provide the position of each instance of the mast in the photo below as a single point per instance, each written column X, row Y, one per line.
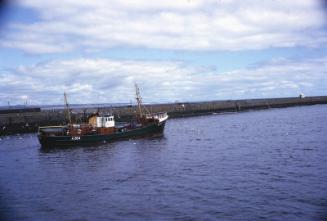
column 138, row 100
column 67, row 108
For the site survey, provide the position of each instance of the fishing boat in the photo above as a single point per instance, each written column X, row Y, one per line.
column 102, row 128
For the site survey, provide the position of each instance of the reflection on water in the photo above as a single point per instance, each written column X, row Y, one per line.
column 249, row 166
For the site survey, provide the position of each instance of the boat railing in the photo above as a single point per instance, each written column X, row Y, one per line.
column 157, row 115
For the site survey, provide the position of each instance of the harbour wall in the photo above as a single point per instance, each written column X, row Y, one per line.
column 13, row 123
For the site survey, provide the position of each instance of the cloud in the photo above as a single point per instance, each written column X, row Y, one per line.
column 184, row 24
column 112, row 81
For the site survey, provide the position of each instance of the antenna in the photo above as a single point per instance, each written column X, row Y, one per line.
column 139, row 101
column 67, row 108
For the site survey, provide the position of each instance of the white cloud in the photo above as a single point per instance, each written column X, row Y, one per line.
column 105, row 80
column 182, row 24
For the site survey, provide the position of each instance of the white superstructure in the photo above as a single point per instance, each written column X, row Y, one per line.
column 106, row 121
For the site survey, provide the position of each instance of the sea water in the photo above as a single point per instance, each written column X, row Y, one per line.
column 260, row 165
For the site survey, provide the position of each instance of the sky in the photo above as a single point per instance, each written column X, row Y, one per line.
column 175, row 50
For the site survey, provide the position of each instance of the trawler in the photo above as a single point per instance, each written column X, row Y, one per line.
column 102, row 128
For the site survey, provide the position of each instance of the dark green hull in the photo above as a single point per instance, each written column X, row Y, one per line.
column 57, row 141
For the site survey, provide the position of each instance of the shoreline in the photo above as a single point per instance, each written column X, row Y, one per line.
column 28, row 122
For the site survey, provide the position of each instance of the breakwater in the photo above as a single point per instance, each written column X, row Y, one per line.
column 12, row 123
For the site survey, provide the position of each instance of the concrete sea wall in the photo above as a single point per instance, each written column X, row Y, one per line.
column 13, row 123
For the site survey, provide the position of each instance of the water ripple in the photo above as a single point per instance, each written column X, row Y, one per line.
column 264, row 165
